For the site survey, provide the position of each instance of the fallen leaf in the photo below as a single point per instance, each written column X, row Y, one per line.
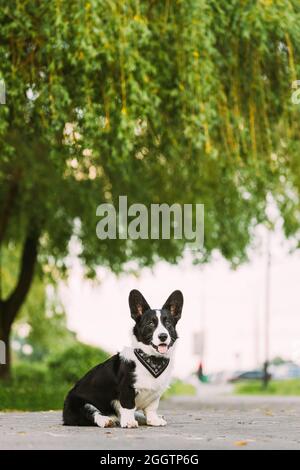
column 240, row 443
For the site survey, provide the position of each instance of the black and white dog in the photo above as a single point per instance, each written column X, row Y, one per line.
column 133, row 379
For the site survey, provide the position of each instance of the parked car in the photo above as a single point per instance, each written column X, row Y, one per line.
column 255, row 374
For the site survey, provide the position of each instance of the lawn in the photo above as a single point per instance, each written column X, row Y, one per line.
column 178, row 388
column 275, row 387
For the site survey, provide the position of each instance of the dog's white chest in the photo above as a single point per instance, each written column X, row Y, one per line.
column 148, row 388
column 144, row 398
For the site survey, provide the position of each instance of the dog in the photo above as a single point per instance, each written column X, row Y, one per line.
column 134, row 379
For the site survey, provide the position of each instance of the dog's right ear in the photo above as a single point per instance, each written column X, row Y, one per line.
column 137, row 304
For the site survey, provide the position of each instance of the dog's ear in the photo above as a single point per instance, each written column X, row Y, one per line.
column 174, row 304
column 137, row 304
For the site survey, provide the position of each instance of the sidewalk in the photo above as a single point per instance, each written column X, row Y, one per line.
column 216, row 422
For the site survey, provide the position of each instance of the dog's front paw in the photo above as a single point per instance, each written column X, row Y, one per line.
column 103, row 421
column 129, row 423
column 156, row 420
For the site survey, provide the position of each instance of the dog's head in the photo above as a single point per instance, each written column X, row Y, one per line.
column 156, row 329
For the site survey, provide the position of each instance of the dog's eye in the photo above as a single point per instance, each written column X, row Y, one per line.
column 151, row 323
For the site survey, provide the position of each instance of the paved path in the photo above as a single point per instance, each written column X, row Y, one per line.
column 213, row 422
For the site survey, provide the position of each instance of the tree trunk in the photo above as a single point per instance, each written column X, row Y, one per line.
column 5, row 337
column 10, row 308
column 8, row 204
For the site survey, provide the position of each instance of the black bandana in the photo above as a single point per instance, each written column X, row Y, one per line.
column 154, row 364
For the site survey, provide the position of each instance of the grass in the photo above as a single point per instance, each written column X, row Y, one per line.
column 180, row 388
column 275, row 387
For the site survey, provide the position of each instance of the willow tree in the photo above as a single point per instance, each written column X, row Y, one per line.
column 186, row 101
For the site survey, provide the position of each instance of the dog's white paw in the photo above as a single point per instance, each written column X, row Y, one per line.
column 156, row 421
column 103, row 421
column 129, row 423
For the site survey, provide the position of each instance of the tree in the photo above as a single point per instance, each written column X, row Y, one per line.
column 42, row 313
column 185, row 101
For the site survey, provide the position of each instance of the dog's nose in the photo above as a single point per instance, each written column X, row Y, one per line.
column 163, row 337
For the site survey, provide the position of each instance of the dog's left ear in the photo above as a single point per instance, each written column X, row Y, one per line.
column 174, row 304
column 138, row 305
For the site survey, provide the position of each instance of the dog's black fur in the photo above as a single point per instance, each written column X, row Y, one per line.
column 112, row 380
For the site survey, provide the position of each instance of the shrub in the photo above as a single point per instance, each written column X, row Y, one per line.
column 29, row 372
column 75, row 361
column 32, row 396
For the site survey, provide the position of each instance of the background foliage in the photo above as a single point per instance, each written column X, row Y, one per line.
column 43, row 385
column 163, row 101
